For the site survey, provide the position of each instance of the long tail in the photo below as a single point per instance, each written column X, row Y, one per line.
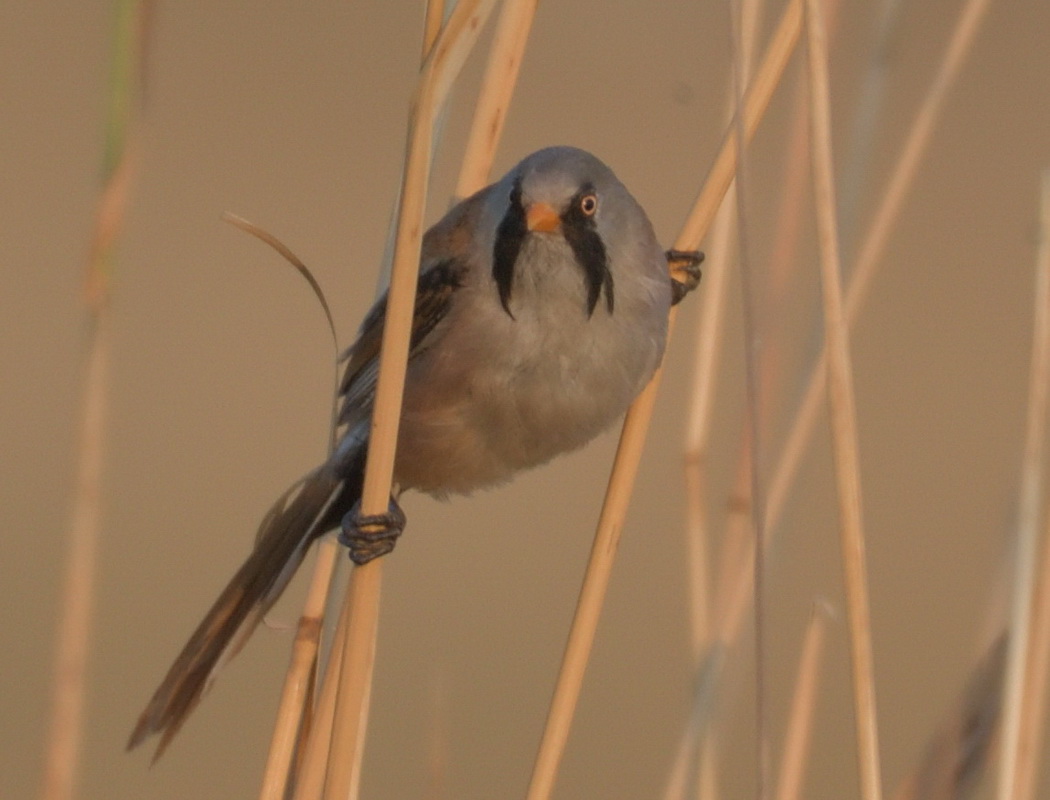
column 308, row 509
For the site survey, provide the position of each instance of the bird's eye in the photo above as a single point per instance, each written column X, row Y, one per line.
column 589, row 204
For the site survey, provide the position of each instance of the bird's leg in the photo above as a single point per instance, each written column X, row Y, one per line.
column 369, row 536
column 686, row 265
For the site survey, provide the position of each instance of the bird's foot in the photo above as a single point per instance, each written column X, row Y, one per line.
column 685, row 269
column 369, row 536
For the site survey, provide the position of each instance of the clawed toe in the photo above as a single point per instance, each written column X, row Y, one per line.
column 686, row 266
column 369, row 536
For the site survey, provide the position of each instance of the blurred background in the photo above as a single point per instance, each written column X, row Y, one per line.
column 294, row 117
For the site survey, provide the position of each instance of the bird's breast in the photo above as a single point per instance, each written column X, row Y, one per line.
column 496, row 394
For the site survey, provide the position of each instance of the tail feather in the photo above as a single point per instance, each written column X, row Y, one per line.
column 307, row 510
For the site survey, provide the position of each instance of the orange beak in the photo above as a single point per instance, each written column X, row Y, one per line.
column 540, row 217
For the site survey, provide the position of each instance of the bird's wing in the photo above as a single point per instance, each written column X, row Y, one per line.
column 445, row 258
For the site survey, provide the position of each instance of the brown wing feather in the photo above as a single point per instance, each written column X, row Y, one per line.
column 446, row 248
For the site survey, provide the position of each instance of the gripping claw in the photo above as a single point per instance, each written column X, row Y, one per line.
column 687, row 264
column 369, row 536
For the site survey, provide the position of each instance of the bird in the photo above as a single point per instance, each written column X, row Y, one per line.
column 541, row 312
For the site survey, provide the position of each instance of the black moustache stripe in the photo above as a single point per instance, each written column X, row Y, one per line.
column 510, row 235
column 582, row 236
column 579, row 231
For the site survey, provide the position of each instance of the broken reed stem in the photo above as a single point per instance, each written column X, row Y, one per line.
column 799, row 728
column 73, row 635
column 632, row 438
column 1029, row 511
column 842, row 406
column 497, row 88
column 454, row 42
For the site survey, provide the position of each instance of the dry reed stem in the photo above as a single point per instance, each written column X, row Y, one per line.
column 800, row 719
column 735, row 586
column 300, row 680
column 709, row 338
column 433, row 19
column 450, row 50
column 1030, row 508
column 758, row 94
column 685, row 772
column 843, row 412
column 735, row 592
column 310, row 774
column 73, row 635
column 632, row 438
column 313, row 739
column 65, row 730
column 1039, row 650
column 870, row 253
column 497, row 88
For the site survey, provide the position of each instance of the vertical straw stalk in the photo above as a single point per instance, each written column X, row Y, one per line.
column 447, row 56
column 800, row 719
column 65, row 726
column 632, row 438
column 1034, row 705
column 709, row 342
column 294, row 716
column 874, row 243
column 735, row 591
column 842, row 406
column 310, row 774
column 1030, row 509
column 497, row 87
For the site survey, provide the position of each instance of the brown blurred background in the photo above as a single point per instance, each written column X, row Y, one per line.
column 293, row 116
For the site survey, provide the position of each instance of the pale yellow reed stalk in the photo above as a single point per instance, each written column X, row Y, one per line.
column 632, row 438
column 76, row 616
column 709, row 344
column 874, row 244
column 293, row 714
column 497, row 88
column 310, row 775
column 1015, row 707
column 65, row 730
column 454, row 43
column 1032, row 722
column 800, row 719
column 294, row 731
column 735, row 592
column 843, row 412
column 433, row 18
column 292, row 728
